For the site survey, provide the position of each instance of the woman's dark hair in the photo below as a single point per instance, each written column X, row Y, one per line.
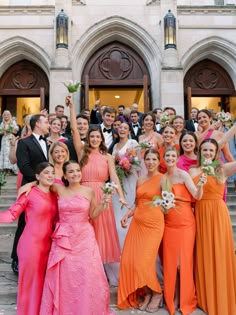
column 176, row 117
column 64, row 168
column 149, row 114
column 41, row 166
column 190, row 133
column 125, row 122
column 87, row 147
column 207, row 112
column 153, row 151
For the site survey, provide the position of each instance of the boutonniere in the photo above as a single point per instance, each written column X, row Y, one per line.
column 115, row 135
column 48, row 143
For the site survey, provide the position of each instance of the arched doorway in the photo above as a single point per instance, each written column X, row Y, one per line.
column 116, row 75
column 24, row 89
column 208, row 85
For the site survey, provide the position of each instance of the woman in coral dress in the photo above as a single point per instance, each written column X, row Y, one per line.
column 215, row 267
column 138, row 260
column 75, row 282
column 40, row 207
column 97, row 166
column 179, row 236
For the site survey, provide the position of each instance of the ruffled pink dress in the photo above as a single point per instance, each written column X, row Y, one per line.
column 94, row 174
column 75, row 281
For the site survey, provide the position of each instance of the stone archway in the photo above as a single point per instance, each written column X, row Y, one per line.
column 116, row 65
column 127, row 32
column 24, row 79
column 208, row 79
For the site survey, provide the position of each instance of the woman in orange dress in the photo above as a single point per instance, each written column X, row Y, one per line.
column 138, row 260
column 179, row 236
column 168, row 135
column 215, row 267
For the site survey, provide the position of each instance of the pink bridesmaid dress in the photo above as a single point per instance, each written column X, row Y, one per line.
column 75, row 282
column 34, row 245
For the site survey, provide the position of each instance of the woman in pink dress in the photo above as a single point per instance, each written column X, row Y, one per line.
column 188, row 151
column 40, row 207
column 149, row 136
column 97, row 166
column 75, row 282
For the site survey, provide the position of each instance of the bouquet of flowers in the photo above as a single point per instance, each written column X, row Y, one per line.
column 72, row 86
column 145, row 145
column 225, row 118
column 108, row 189
column 166, row 201
column 126, row 164
column 208, row 168
column 8, row 128
column 164, row 119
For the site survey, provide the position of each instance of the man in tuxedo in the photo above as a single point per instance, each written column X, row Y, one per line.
column 140, row 115
column 135, row 128
column 157, row 113
column 110, row 135
column 29, row 153
column 192, row 124
column 83, row 127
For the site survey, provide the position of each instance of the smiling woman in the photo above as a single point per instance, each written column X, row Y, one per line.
column 40, row 207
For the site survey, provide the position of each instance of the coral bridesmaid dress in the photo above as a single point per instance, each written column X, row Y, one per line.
column 34, row 245
column 75, row 281
column 138, row 260
column 178, row 247
column 94, row 174
column 215, row 267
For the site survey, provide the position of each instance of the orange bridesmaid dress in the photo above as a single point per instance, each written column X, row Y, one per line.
column 215, row 267
column 178, row 249
column 138, row 260
column 162, row 166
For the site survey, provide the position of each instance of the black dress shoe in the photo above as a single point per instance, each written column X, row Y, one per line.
column 14, row 266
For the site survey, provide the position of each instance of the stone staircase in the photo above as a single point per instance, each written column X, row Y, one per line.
column 8, row 281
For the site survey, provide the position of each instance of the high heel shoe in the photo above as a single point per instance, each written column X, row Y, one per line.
column 142, row 306
column 154, row 304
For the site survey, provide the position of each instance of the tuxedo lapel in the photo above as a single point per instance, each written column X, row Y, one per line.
column 35, row 141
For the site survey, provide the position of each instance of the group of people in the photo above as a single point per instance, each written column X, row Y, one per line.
column 71, row 232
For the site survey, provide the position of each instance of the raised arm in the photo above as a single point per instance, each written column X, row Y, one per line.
column 229, row 169
column 227, row 136
column 195, row 191
column 15, row 210
column 78, row 145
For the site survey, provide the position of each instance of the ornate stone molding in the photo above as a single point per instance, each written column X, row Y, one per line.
column 27, row 10
column 206, row 10
column 153, row 2
column 78, row 2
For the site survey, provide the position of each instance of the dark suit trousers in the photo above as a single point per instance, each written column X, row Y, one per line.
column 19, row 231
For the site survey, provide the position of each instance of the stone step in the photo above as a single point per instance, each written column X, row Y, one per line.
column 7, row 229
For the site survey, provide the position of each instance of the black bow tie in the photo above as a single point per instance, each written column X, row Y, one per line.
column 136, row 125
column 194, row 120
column 157, row 123
column 106, row 130
column 42, row 138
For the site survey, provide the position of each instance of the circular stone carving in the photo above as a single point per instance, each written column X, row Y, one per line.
column 115, row 64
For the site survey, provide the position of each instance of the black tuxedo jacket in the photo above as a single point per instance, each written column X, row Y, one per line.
column 189, row 125
column 132, row 133
column 29, row 154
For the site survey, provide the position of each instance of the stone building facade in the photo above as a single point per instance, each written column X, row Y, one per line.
column 118, row 44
